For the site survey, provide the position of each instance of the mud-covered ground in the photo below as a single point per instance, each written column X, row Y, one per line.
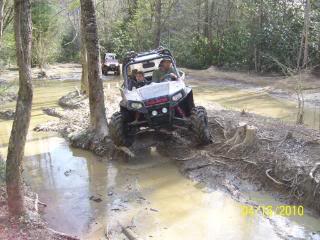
column 283, row 159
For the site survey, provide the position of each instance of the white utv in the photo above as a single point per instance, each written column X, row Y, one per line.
column 166, row 105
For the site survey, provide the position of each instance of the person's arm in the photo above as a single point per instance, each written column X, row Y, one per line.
column 173, row 73
column 155, row 76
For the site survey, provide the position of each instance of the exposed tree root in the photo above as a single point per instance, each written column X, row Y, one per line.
column 128, row 233
column 311, row 174
column 65, row 236
column 199, row 167
column 231, row 158
column 126, row 150
column 274, row 180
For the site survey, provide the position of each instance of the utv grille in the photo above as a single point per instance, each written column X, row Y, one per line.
column 161, row 117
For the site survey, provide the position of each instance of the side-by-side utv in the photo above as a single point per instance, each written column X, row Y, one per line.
column 166, row 105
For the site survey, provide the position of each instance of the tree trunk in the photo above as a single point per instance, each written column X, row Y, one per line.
column 306, row 33
column 300, row 51
column 98, row 118
column 206, row 19
column 84, row 62
column 199, row 17
column 210, row 26
column 158, row 14
column 1, row 18
column 23, row 36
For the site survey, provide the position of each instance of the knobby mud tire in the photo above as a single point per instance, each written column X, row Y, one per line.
column 118, row 131
column 199, row 125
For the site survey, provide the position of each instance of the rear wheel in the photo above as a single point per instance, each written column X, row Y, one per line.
column 118, row 131
column 199, row 125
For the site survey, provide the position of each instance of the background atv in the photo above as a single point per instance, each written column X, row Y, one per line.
column 110, row 64
column 166, row 105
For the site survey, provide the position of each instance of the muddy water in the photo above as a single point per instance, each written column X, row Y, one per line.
column 252, row 99
column 88, row 196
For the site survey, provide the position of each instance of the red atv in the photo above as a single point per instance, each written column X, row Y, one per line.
column 110, row 64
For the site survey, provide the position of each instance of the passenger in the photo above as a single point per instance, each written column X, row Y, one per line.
column 139, row 80
column 165, row 70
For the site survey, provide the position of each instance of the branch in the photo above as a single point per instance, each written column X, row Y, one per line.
column 274, row 180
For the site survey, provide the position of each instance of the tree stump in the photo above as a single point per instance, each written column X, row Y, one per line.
column 243, row 138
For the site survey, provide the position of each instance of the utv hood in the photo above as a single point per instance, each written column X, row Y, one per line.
column 155, row 90
column 108, row 61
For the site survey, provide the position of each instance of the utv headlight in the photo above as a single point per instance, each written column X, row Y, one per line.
column 177, row 97
column 136, row 105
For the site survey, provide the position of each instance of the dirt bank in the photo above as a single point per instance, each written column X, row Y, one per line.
column 281, row 158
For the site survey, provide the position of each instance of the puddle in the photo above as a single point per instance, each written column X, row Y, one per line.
column 254, row 100
column 87, row 195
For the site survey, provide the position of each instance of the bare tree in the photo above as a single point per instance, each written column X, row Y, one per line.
column 23, row 36
column 1, row 17
column 304, row 44
column 306, row 32
column 96, row 96
column 6, row 16
column 206, row 19
column 84, row 62
column 158, row 15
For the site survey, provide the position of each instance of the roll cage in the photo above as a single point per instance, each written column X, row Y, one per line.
column 137, row 58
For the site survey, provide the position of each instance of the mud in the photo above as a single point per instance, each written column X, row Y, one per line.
column 274, row 85
column 147, row 195
column 288, row 159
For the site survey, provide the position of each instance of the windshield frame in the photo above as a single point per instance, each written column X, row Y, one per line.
column 132, row 62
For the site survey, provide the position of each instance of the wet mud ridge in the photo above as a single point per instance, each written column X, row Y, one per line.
column 248, row 152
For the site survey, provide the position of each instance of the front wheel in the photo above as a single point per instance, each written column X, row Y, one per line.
column 118, row 131
column 199, row 125
column 105, row 72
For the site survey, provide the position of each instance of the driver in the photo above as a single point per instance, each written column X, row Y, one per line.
column 165, row 70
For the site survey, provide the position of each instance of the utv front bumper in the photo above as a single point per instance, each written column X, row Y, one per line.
column 161, row 116
column 111, row 67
